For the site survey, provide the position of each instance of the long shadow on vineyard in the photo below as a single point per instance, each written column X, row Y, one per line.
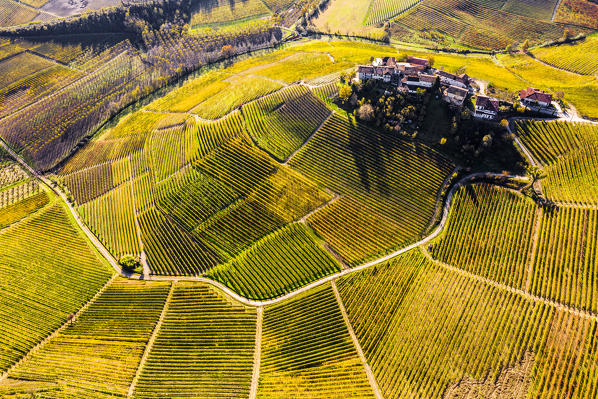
column 361, row 148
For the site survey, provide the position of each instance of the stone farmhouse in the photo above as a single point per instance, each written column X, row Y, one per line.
column 450, row 79
column 455, row 95
column 421, row 81
column 408, row 74
column 486, row 108
column 418, row 61
column 415, row 74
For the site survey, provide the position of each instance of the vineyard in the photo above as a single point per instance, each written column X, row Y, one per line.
column 578, row 12
column 281, row 262
column 306, row 350
column 565, row 266
column 421, row 340
column 486, row 24
column 284, row 245
column 204, row 348
column 397, row 179
column 59, row 260
column 489, row 233
column 568, row 153
column 13, row 13
column 109, row 338
column 580, row 58
column 281, row 122
column 228, row 11
column 381, row 10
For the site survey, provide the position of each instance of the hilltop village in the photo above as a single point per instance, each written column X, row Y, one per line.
column 451, row 112
column 417, row 75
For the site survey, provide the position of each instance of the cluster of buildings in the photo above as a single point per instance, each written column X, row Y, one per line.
column 416, row 73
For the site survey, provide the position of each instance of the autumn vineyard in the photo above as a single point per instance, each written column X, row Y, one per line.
column 274, row 199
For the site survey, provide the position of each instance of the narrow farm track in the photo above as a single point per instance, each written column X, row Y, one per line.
column 307, row 140
column 342, row 273
column 150, row 342
column 535, row 298
column 94, row 240
column 535, row 234
column 335, row 255
column 335, row 198
column 29, row 6
column 366, row 366
column 4, row 375
column 445, row 211
column 522, row 148
column 54, row 60
column 556, row 7
column 257, row 355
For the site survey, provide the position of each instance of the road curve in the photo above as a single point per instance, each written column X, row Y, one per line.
column 251, row 302
column 431, row 236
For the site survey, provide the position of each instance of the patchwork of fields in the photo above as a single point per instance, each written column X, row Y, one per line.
column 287, row 249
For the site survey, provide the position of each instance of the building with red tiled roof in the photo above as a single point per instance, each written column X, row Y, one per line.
column 418, row 61
column 486, row 108
column 450, row 79
column 535, row 97
column 455, row 95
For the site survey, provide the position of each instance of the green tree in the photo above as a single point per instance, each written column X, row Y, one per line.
column 509, row 48
column 129, row 263
column 344, row 93
column 535, row 174
column 525, row 46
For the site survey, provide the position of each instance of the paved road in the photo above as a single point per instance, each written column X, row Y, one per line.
column 94, row 240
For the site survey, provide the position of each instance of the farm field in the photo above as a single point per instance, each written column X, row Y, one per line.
column 479, row 24
column 279, row 263
column 13, row 13
column 20, row 66
column 307, row 350
column 399, row 321
column 381, row 10
column 489, row 233
column 110, row 335
column 347, row 17
column 579, row 12
column 204, row 348
column 567, row 153
column 226, row 11
column 59, row 260
column 252, row 199
column 580, row 57
column 375, row 169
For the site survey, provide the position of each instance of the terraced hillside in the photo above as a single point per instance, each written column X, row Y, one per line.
column 424, row 328
column 60, row 272
column 287, row 247
column 199, row 197
column 568, row 154
column 203, row 349
column 478, row 24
